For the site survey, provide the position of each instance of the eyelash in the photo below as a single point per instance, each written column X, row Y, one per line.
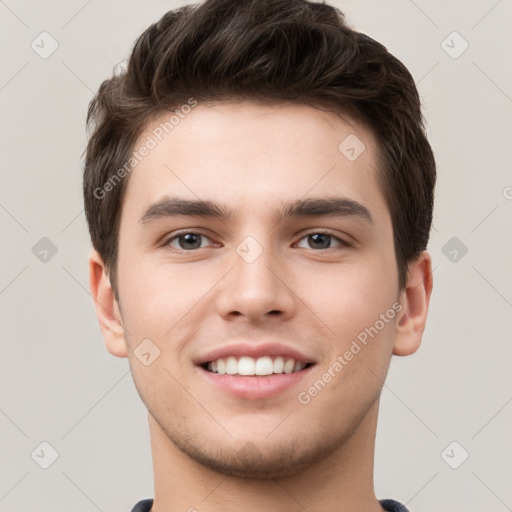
column 343, row 243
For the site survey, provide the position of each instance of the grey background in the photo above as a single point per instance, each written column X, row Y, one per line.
column 59, row 384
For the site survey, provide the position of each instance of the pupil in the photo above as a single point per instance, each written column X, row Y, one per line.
column 189, row 237
column 315, row 237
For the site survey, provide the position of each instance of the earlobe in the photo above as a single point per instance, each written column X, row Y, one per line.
column 107, row 309
column 415, row 301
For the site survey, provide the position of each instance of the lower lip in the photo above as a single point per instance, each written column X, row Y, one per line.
column 255, row 387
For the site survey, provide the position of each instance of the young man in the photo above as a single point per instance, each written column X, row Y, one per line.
column 259, row 192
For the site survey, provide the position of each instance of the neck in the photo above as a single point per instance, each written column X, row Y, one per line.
column 341, row 482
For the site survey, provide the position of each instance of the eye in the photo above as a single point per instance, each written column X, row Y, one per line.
column 322, row 240
column 190, row 240
column 187, row 240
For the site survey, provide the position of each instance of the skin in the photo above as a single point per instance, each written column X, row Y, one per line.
column 211, row 450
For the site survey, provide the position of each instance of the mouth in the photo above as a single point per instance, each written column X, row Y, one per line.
column 259, row 379
column 258, row 371
column 255, row 367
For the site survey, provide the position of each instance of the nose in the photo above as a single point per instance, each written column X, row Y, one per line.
column 254, row 291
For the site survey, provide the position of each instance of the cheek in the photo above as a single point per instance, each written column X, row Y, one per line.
column 354, row 297
column 158, row 387
column 156, row 295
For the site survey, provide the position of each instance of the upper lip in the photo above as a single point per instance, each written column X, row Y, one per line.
column 255, row 351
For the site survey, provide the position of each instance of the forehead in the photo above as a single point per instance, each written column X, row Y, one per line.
column 250, row 155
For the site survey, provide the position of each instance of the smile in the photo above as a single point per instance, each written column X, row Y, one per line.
column 250, row 366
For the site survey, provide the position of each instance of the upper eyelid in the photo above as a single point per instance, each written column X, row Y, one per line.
column 329, row 233
column 167, row 239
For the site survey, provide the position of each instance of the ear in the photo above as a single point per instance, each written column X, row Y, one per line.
column 107, row 309
column 415, row 299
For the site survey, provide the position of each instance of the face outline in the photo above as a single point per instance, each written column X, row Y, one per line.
column 251, row 158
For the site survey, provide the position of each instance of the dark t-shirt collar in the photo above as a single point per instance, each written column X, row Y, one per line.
column 388, row 505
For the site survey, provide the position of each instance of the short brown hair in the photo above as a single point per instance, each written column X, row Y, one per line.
column 277, row 51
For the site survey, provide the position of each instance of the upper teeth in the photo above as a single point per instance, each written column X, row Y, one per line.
column 249, row 366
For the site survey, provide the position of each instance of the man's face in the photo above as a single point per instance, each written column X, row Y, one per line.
column 257, row 284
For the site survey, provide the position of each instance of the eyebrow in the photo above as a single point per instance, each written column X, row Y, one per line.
column 311, row 207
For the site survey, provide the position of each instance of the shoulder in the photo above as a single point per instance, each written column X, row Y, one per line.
column 393, row 506
column 143, row 506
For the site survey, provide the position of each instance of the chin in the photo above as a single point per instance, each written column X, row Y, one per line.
column 253, row 462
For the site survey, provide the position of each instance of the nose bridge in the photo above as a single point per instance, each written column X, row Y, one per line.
column 254, row 287
column 253, row 259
